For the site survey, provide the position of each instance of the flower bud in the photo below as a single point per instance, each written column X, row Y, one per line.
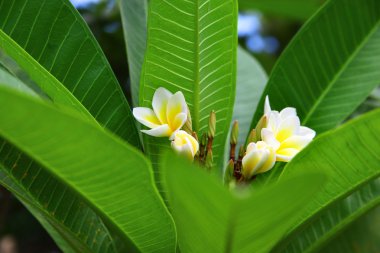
column 241, row 151
column 260, row 125
column 204, row 139
column 229, row 173
column 212, row 125
column 185, row 144
column 234, row 133
column 252, row 136
column 188, row 127
column 259, row 158
column 209, row 159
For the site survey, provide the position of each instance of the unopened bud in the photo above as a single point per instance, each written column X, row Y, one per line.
column 234, row 133
column 209, row 159
column 252, row 136
column 204, row 140
column 212, row 125
column 241, row 151
column 229, row 173
column 260, row 125
column 188, row 127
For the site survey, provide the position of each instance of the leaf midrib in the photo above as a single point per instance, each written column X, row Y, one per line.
column 196, row 72
column 340, row 72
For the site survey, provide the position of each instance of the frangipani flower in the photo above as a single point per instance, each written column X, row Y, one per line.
column 169, row 113
column 260, row 157
column 284, row 132
column 185, row 144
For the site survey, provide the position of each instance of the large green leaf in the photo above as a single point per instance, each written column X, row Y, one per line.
column 351, row 158
column 134, row 17
column 18, row 173
column 74, row 226
column 331, row 65
column 112, row 177
column 56, row 36
column 191, row 47
column 296, row 9
column 361, row 236
column 48, row 84
column 6, row 79
column 250, row 83
column 209, row 218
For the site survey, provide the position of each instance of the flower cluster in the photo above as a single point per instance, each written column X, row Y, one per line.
column 278, row 136
column 170, row 113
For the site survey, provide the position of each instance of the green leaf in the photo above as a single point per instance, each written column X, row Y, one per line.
column 361, row 236
column 48, row 84
column 77, row 227
column 57, row 37
column 295, row 9
column 6, row 79
column 331, row 65
column 86, row 158
column 251, row 80
column 209, row 218
column 88, row 236
column 191, row 47
column 134, row 18
column 350, row 156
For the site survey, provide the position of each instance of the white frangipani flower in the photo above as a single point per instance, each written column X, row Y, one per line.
column 284, row 132
column 169, row 113
column 185, row 144
column 260, row 157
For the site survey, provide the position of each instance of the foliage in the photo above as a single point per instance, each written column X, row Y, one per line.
column 71, row 153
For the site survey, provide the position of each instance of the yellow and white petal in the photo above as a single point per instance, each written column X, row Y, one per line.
column 251, row 146
column 287, row 128
column 176, row 105
column 267, row 108
column 268, row 136
column 296, row 142
column 253, row 161
column 160, row 131
column 185, row 144
column 288, row 112
column 274, row 121
column 269, row 163
column 286, row 154
column 307, row 132
column 146, row 116
column 160, row 102
column 179, row 120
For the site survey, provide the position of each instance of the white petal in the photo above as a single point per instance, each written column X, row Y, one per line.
column 268, row 137
column 307, row 132
column 274, row 120
column 269, row 163
column 251, row 146
column 267, row 108
column 253, row 161
column 288, row 112
column 178, row 122
column 287, row 128
column 176, row 105
column 160, row 102
column 185, row 144
column 146, row 116
column 295, row 142
column 160, row 131
column 286, row 154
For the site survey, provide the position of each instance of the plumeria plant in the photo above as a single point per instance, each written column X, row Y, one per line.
column 200, row 160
